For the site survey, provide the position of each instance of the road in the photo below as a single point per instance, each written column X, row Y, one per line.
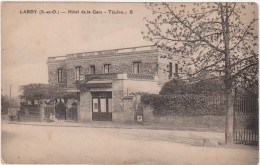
column 46, row 144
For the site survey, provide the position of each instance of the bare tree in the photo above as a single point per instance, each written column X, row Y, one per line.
column 219, row 38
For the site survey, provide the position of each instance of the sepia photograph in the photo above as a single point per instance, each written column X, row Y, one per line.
column 168, row 83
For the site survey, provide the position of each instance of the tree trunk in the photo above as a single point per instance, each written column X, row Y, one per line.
column 228, row 80
column 229, row 132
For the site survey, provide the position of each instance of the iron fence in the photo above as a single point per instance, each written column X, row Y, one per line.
column 246, row 120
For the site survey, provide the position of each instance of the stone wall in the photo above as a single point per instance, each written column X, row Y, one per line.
column 163, row 71
column 117, row 105
column 53, row 73
column 128, row 109
column 119, row 64
column 122, row 99
column 182, row 122
column 85, row 107
column 136, row 86
column 163, row 74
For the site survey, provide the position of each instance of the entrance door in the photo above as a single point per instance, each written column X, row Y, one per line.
column 101, row 106
column 60, row 111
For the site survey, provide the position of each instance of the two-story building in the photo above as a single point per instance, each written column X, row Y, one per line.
column 107, row 79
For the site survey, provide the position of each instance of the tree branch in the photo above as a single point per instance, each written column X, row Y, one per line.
column 232, row 10
column 200, row 37
column 209, row 66
column 234, row 64
column 241, row 38
column 244, row 69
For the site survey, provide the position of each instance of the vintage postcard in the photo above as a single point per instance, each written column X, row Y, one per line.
column 129, row 83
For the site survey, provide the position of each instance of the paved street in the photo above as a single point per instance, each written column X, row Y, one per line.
column 47, row 144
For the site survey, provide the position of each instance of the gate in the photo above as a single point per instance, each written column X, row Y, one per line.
column 71, row 113
column 246, row 120
column 60, row 111
column 48, row 110
column 29, row 113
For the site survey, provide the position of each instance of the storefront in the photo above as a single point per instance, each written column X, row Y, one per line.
column 101, row 106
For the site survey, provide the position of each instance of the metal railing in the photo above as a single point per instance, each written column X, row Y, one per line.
column 57, row 58
column 102, row 53
column 111, row 76
column 108, row 76
column 112, row 51
column 140, row 76
column 246, row 120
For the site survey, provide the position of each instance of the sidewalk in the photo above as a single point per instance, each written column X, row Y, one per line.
column 104, row 124
column 107, row 124
column 197, row 136
column 184, row 135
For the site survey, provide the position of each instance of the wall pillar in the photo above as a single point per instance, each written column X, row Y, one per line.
column 85, row 107
column 117, row 102
column 42, row 108
column 129, row 113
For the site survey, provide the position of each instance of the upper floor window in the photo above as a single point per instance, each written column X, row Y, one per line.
column 136, row 67
column 60, row 75
column 107, row 68
column 170, row 70
column 78, row 72
column 92, row 69
column 176, row 70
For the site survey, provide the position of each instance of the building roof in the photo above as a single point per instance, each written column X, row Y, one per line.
column 106, row 53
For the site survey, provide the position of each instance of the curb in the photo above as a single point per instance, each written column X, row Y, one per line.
column 103, row 125
column 75, row 125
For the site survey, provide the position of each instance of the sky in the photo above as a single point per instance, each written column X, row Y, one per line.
column 29, row 39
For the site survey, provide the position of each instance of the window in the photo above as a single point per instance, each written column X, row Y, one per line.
column 176, row 70
column 78, row 72
column 157, row 68
column 92, row 69
column 170, row 70
column 136, row 67
column 60, row 75
column 107, row 68
column 95, row 104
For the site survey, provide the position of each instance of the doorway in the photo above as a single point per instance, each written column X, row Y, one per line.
column 101, row 106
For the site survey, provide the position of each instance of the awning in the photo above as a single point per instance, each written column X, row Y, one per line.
column 99, row 84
